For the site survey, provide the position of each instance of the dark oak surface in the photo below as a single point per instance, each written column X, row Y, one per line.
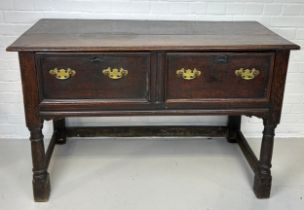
column 113, row 35
column 152, row 52
column 89, row 81
column 218, row 79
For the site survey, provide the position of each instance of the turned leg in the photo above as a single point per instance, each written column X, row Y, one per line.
column 234, row 126
column 30, row 86
column 262, row 179
column 59, row 131
column 41, row 181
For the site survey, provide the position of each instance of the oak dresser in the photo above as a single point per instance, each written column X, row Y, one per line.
column 75, row 68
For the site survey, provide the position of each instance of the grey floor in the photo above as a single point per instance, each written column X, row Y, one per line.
column 151, row 174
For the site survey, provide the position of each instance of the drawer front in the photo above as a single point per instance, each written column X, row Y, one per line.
column 207, row 76
column 119, row 76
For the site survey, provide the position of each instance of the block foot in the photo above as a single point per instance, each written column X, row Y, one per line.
column 41, row 188
column 262, row 186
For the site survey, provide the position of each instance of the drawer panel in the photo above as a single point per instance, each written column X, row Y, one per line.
column 229, row 76
column 109, row 76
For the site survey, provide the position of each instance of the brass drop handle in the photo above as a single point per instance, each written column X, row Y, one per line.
column 62, row 74
column 247, row 74
column 188, row 74
column 115, row 73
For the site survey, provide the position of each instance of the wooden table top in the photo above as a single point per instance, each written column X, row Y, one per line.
column 131, row 35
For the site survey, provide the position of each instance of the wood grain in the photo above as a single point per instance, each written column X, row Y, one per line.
column 120, row 35
column 151, row 51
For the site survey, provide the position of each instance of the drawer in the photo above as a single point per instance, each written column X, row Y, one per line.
column 208, row 76
column 109, row 76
